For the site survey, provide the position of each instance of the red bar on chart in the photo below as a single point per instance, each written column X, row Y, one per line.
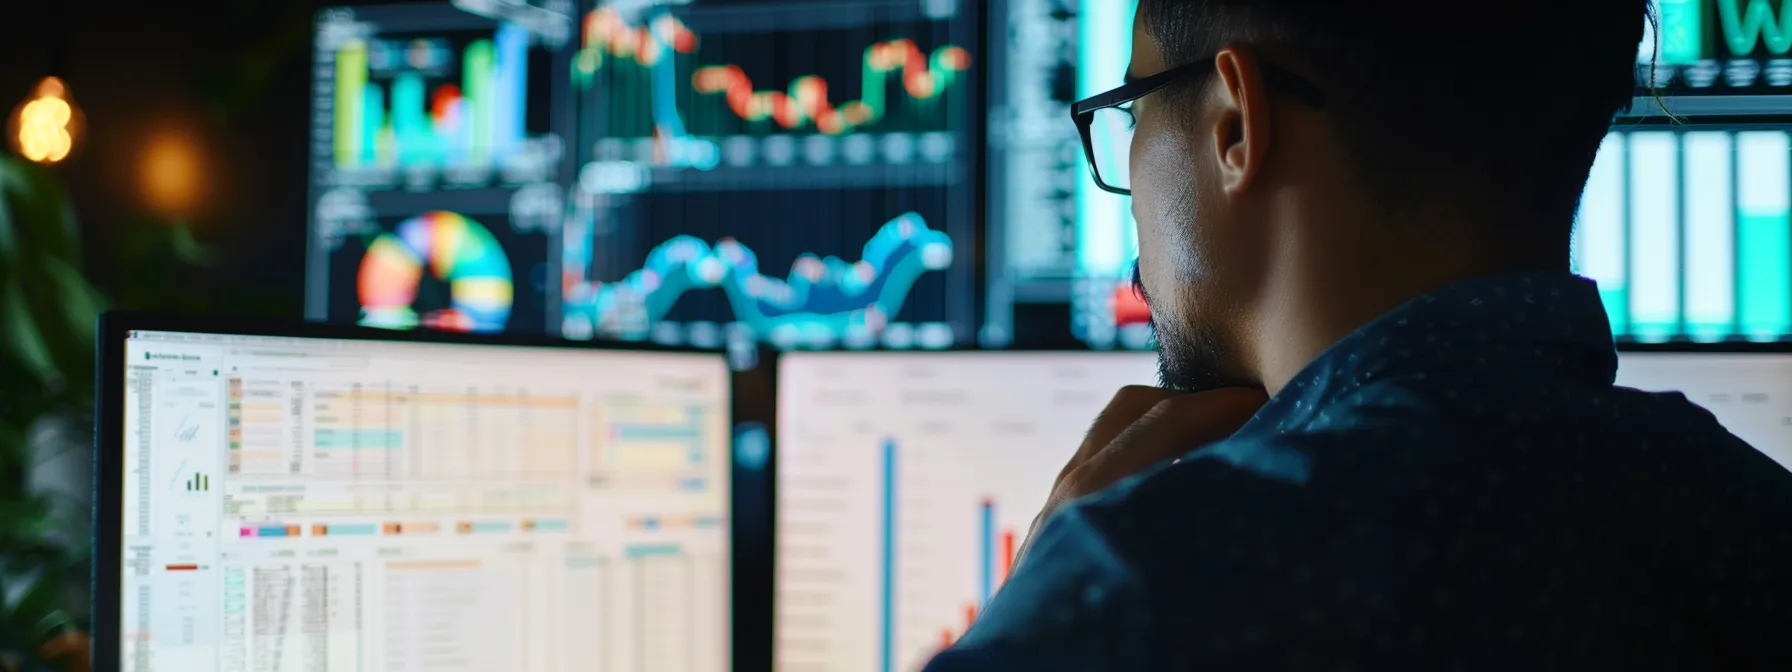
column 1007, row 555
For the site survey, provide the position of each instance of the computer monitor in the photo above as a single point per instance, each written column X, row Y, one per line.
column 440, row 151
column 1748, row 389
column 767, row 171
column 905, row 481
column 332, row 499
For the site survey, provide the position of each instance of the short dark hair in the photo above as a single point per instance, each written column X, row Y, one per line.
column 1516, row 96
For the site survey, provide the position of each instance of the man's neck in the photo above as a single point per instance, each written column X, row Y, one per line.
column 1333, row 292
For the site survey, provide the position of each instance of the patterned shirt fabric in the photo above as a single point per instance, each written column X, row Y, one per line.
column 1456, row 486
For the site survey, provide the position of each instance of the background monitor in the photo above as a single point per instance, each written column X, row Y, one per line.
column 326, row 499
column 799, row 173
column 905, row 480
column 1750, row 392
column 440, row 151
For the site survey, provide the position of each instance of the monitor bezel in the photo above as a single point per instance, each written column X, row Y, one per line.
column 108, row 470
column 1711, row 348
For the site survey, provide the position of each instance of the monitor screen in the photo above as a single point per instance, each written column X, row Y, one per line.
column 439, row 155
column 1688, row 231
column 905, row 482
column 790, row 172
column 1750, row 393
column 300, row 503
column 1054, row 236
column 1717, row 48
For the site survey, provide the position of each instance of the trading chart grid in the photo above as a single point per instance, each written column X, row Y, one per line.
column 784, row 172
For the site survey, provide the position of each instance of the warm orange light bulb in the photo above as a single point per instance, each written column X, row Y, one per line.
column 45, row 124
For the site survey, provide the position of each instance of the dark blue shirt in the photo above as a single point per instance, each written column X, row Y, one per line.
column 1456, row 486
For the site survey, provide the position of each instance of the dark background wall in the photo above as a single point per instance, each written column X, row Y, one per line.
column 209, row 97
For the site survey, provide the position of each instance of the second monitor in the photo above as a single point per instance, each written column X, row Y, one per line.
column 905, row 483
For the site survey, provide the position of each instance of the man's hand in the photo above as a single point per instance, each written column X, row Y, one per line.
column 1140, row 427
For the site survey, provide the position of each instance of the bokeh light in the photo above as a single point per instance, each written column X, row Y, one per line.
column 45, row 127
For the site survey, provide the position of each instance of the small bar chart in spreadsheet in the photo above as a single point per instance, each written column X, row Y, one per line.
column 1689, row 234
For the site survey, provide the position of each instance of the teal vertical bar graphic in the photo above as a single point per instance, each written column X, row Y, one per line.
column 476, row 87
column 887, row 564
column 1599, row 232
column 1764, row 234
column 374, row 119
column 1654, row 235
column 1107, row 240
column 512, row 46
column 1682, row 31
column 410, row 118
column 1708, row 228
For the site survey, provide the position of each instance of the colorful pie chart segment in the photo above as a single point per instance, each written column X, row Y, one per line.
column 450, row 248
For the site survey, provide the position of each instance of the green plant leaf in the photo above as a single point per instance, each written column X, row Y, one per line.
column 84, row 304
column 19, row 331
column 42, row 216
column 9, row 236
column 188, row 249
column 40, row 604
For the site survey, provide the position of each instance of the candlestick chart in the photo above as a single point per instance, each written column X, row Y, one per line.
column 685, row 85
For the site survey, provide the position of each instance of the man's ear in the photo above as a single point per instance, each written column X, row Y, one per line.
column 1240, row 123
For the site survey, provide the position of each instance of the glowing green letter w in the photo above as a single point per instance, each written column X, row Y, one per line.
column 1758, row 24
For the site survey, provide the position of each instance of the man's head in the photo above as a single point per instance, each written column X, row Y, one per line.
column 1457, row 138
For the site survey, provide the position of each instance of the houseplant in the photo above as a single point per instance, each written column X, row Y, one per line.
column 47, row 319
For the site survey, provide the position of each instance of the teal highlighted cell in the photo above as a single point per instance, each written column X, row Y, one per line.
column 358, row 439
column 491, row 527
column 351, row 530
column 652, row 551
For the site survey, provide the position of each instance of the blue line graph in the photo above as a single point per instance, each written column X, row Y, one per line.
column 829, row 292
column 681, row 149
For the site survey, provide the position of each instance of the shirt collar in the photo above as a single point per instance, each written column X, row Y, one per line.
column 1539, row 318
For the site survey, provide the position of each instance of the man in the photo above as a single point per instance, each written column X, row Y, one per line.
column 1361, row 211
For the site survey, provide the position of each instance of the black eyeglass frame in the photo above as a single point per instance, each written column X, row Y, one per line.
column 1083, row 111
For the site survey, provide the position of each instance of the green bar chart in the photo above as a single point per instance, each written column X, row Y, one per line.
column 1688, row 233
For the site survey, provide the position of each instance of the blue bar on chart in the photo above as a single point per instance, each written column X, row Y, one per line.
column 1654, row 272
column 1764, row 241
column 512, row 84
column 1708, row 227
column 887, row 560
column 986, row 544
column 1599, row 240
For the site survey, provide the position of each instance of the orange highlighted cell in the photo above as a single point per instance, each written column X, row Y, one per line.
column 183, row 568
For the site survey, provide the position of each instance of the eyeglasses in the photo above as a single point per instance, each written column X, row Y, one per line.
column 1106, row 121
